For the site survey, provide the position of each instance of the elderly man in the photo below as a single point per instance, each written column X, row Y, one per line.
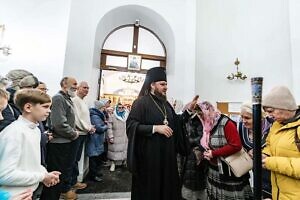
column 62, row 148
column 42, row 86
column 83, row 126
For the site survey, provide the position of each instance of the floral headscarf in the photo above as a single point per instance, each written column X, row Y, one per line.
column 209, row 119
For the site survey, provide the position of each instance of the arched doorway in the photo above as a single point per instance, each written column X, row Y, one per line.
column 128, row 51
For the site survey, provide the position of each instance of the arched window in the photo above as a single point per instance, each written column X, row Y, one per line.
column 132, row 48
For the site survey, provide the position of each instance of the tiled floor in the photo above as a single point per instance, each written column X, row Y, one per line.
column 105, row 196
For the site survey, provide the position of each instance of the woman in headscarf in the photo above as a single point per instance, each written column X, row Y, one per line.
column 117, row 146
column 245, row 128
column 282, row 152
column 221, row 139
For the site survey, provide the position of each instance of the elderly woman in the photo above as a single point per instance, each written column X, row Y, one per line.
column 117, row 146
column 220, row 139
column 94, row 144
column 246, row 134
column 282, row 152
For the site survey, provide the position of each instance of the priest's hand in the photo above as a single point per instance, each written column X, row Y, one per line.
column 163, row 129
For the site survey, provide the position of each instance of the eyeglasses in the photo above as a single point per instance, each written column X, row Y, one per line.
column 44, row 89
column 121, row 107
column 269, row 110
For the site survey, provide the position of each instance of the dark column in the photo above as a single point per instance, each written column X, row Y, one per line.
column 256, row 85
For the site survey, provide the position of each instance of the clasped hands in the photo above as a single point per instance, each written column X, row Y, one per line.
column 51, row 178
column 92, row 129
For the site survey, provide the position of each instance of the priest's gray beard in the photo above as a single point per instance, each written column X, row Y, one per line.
column 160, row 96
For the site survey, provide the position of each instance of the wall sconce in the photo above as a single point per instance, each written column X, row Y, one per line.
column 238, row 74
column 6, row 50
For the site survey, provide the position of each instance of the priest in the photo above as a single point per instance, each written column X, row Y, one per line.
column 155, row 135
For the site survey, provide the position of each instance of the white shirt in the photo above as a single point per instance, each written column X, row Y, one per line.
column 20, row 157
column 82, row 116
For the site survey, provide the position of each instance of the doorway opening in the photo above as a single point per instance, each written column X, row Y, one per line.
column 127, row 53
column 120, row 87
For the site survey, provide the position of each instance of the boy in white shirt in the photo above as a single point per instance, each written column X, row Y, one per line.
column 20, row 159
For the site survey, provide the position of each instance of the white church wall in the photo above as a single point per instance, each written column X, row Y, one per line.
column 263, row 34
column 173, row 21
column 295, row 43
column 257, row 32
column 36, row 31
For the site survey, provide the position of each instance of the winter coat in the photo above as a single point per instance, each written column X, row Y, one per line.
column 94, row 144
column 194, row 175
column 118, row 149
column 284, row 160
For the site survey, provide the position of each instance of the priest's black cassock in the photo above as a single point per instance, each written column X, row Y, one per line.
column 152, row 156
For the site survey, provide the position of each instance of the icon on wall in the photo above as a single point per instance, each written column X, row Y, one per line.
column 134, row 62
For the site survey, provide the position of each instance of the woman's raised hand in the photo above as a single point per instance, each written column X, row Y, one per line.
column 193, row 103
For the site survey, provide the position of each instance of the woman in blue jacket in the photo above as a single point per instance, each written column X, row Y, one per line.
column 94, row 145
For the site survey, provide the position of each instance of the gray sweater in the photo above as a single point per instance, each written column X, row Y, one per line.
column 62, row 119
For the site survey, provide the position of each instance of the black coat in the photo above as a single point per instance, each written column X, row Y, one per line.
column 194, row 177
column 11, row 112
column 152, row 158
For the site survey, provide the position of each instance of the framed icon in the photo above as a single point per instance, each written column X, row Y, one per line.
column 134, row 62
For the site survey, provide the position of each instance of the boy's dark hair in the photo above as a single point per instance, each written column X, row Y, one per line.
column 33, row 96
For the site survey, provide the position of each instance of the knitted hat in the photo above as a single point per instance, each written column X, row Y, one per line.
column 101, row 103
column 280, row 97
column 16, row 76
column 29, row 81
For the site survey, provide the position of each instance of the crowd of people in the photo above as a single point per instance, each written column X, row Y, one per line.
column 203, row 137
column 171, row 156
column 42, row 137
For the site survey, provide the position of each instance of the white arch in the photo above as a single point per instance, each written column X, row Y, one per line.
column 128, row 14
column 87, row 32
